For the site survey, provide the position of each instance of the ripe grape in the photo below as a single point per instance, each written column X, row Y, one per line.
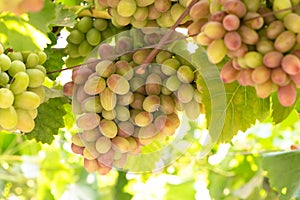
column 214, row 30
column 235, row 7
column 287, row 94
column 272, row 59
column 94, row 85
column 91, row 135
column 279, row 77
column 231, row 22
column 125, row 128
column 15, row 67
column 122, row 113
column 261, row 74
column 228, row 73
column 274, row 29
column 153, row 84
column 216, row 51
column 233, row 40
column 126, row 8
column 103, row 144
column 108, row 128
column 25, row 121
column 199, row 10
column 151, row 103
column 291, row 64
column 108, row 99
column 249, row 36
column 185, row 93
column 285, row 41
column 118, row 84
column 192, row 109
column 88, row 121
column 6, row 98
column 8, row 118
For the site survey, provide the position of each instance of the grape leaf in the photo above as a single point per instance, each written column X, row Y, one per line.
column 69, row 2
column 54, row 61
column 65, row 17
column 187, row 189
column 49, row 120
column 280, row 112
column 242, row 106
column 283, row 171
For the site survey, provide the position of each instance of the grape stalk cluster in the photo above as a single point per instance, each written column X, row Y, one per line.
column 262, row 43
column 21, row 92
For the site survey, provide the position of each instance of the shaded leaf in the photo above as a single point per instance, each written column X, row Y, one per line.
column 49, row 120
column 54, row 61
column 283, row 171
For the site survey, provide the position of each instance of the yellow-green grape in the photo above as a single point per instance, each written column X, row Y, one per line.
column 25, row 54
column 185, row 74
column 167, row 104
column 91, row 165
column 285, row 41
column 292, row 22
column 118, row 84
column 173, row 83
column 36, row 77
column 141, row 14
column 176, row 11
column 85, row 24
column 15, row 67
column 93, row 36
column 75, row 37
column 91, row 135
column 192, row 109
column 144, row 3
column 32, row 60
column 33, row 113
column 200, row 10
column 137, row 84
column 105, row 68
column 122, row 113
column 42, row 57
column 143, row 118
column 15, row 56
column 27, row 100
column 6, row 98
column 165, row 20
column 203, row 39
column 279, row 5
column 137, row 102
column 140, row 56
column 84, row 48
column 73, row 50
column 265, row 89
column 103, row 144
column 124, row 69
column 5, row 62
column 169, row 67
column 120, row 144
column 109, row 114
column 100, row 24
column 90, row 152
column 126, row 8
column 151, row 103
column 94, row 85
column 78, row 140
column 41, row 68
column 216, row 51
column 261, row 74
column 274, row 29
column 125, row 129
column 88, row 121
column 108, row 99
column 214, row 30
column 133, row 145
column 195, row 27
column 153, row 84
column 92, row 104
column 253, row 59
column 25, row 121
column 126, row 99
column 108, row 128
column 252, row 5
column 185, row 93
column 162, row 56
column 153, row 13
column 8, row 118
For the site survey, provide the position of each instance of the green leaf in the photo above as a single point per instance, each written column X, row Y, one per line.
column 280, row 112
column 283, row 171
column 69, row 2
column 185, row 190
column 65, row 17
column 49, row 120
column 54, row 61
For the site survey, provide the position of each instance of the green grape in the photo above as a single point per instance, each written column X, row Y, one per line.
column 272, row 59
column 192, row 109
column 92, row 105
column 93, row 37
column 36, row 77
column 203, row 39
column 176, row 11
column 103, row 144
column 151, row 103
column 109, row 114
column 85, row 24
column 4, row 78
column 143, row 118
column 91, row 135
column 274, row 29
column 118, row 84
column 200, row 10
column 185, row 74
column 100, row 24
column 287, row 95
column 169, row 67
column 185, row 93
column 108, row 99
column 42, row 57
column 124, row 69
column 167, row 104
column 253, row 59
column 15, row 56
column 147, row 131
column 122, row 113
column 25, row 54
column 27, row 100
column 19, row 83
column 73, row 50
column 6, row 98
column 126, row 8
column 144, row 3
column 252, row 5
column 140, row 56
column 90, row 152
column 153, row 84
column 216, row 51
column 41, row 68
column 91, row 165
column 84, row 48
column 94, row 85
column 214, row 30
column 88, row 121
column 25, row 121
column 32, row 60
column 76, row 37
column 5, row 62
column 126, row 99
column 8, row 118
column 165, row 20
column 137, row 102
column 285, row 41
column 108, row 128
column 141, row 14
column 33, row 113
column 173, row 83
column 105, row 68
column 279, row 5
column 125, row 128
column 162, row 56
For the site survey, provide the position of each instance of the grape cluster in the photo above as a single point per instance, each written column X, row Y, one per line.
column 120, row 110
column 87, row 33
column 21, row 91
column 263, row 49
column 145, row 13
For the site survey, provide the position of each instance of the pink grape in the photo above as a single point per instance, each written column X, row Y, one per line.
column 272, row 59
column 279, row 77
column 291, row 64
column 287, row 95
column 231, row 22
column 228, row 73
column 233, row 40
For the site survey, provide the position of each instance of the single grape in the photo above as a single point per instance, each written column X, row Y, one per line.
column 167, row 104
column 231, row 22
column 279, row 5
column 279, row 77
column 214, row 30
column 285, row 41
column 85, row 24
column 78, row 140
column 216, row 51
column 126, row 8
column 235, row 7
column 185, row 74
column 233, row 40
column 143, row 118
column 137, row 84
column 84, row 48
column 125, row 99
column 228, row 73
column 108, row 99
column 25, row 121
column 151, row 103
column 100, row 24
column 153, row 84
column 137, row 102
column 6, row 98
column 261, row 74
column 92, row 105
column 91, row 135
column 252, row 5
column 15, row 56
column 103, row 144
column 173, row 83
column 192, row 109
column 218, row 16
column 162, row 5
column 5, row 62
column 77, row 149
column 244, row 77
column 105, row 68
column 122, row 113
column 203, row 39
column 272, row 59
column 94, row 85
column 88, row 121
column 165, row 20
column 169, row 67
column 93, row 37
column 36, row 78
column 125, row 128
column 254, row 20
column 265, row 89
column 291, row 64
column 195, row 27
column 249, row 36
column 253, row 59
column 185, row 93
column 118, row 84
column 91, row 165
column 200, row 10
column 15, row 67
column 162, row 56
column 108, row 128
column 8, row 118
column 274, row 29
column 265, row 45
column 287, row 95
column 32, row 60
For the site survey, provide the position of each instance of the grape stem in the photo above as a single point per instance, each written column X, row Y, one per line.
column 273, row 13
column 154, row 52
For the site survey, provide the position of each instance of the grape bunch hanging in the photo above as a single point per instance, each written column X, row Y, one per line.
column 21, row 78
column 120, row 110
column 262, row 43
